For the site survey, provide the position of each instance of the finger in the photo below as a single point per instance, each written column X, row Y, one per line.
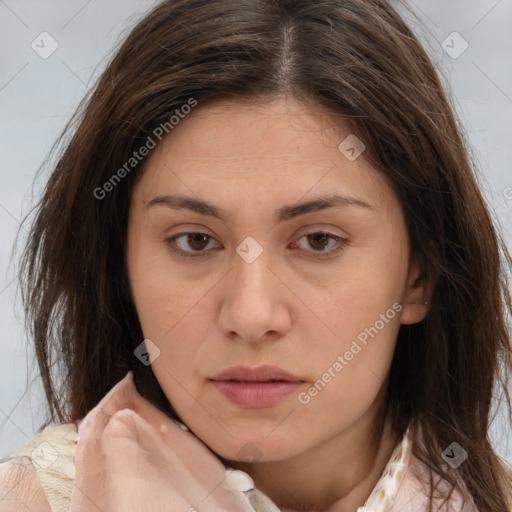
column 119, row 397
column 128, row 436
column 200, row 458
column 129, row 447
column 181, row 454
column 103, row 460
column 189, row 477
column 124, row 395
column 127, row 442
column 134, row 449
column 90, row 457
column 142, row 426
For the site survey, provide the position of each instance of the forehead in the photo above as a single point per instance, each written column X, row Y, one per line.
column 279, row 148
column 269, row 130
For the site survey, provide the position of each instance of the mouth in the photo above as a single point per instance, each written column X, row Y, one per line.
column 260, row 374
column 256, row 388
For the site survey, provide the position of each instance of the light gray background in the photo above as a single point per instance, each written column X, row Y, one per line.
column 37, row 97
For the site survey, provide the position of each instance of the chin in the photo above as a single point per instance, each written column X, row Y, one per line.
column 253, row 449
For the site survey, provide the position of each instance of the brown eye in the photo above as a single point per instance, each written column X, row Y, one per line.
column 197, row 241
column 191, row 244
column 320, row 242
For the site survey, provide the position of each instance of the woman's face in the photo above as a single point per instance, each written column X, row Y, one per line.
column 318, row 292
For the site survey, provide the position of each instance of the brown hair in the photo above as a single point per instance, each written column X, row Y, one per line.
column 359, row 60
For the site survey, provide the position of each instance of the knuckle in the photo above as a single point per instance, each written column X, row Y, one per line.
column 123, row 424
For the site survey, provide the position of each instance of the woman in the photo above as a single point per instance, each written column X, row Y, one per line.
column 266, row 230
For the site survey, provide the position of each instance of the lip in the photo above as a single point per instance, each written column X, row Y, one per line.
column 256, row 388
column 264, row 373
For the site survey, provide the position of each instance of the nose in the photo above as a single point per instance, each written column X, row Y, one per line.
column 255, row 301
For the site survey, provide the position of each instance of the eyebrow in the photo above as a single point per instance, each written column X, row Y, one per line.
column 179, row 202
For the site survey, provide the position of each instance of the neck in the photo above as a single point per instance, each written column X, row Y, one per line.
column 335, row 476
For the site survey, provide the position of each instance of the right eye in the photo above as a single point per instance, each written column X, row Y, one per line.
column 195, row 240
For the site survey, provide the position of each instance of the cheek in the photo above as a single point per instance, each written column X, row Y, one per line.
column 162, row 295
column 361, row 308
column 172, row 309
column 369, row 283
column 166, row 317
column 350, row 368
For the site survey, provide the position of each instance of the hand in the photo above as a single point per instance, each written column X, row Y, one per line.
column 131, row 457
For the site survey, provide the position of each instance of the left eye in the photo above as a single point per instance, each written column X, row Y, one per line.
column 198, row 242
column 320, row 240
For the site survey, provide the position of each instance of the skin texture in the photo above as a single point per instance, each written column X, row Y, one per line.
column 295, row 306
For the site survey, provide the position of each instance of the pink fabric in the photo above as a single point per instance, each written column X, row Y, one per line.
column 413, row 494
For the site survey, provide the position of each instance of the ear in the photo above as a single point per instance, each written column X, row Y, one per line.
column 418, row 294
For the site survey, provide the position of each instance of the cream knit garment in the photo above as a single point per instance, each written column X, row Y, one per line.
column 51, row 453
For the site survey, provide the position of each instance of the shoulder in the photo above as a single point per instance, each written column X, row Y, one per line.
column 39, row 475
column 414, row 492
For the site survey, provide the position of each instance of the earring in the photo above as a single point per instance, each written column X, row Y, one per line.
column 425, row 303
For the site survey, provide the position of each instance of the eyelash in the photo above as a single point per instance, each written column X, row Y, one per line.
column 170, row 242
